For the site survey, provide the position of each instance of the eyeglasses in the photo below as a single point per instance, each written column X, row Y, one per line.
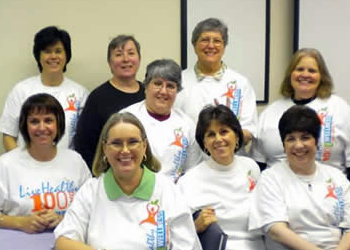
column 119, row 145
column 207, row 40
column 169, row 86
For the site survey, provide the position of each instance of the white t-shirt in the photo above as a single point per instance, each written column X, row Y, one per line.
column 334, row 142
column 71, row 95
column 233, row 90
column 161, row 218
column 172, row 141
column 27, row 185
column 228, row 190
column 317, row 209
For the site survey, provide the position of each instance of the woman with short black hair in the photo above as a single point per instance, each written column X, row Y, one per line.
column 52, row 52
column 300, row 203
column 222, row 186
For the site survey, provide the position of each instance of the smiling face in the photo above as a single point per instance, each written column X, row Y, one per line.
column 124, row 150
column 53, row 58
column 42, row 128
column 124, row 61
column 160, row 96
column 301, row 149
column 209, row 49
column 220, row 140
column 305, row 78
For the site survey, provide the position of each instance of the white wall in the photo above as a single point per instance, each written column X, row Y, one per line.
column 92, row 23
column 327, row 30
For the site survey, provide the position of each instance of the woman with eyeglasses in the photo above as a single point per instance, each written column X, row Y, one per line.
column 300, row 203
column 210, row 81
column 128, row 206
column 171, row 130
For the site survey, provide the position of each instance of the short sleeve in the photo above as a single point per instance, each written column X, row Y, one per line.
column 183, row 234
column 10, row 116
column 268, row 203
column 345, row 222
column 76, row 220
column 346, row 133
column 3, row 189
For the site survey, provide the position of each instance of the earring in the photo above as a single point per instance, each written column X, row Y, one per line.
column 104, row 159
column 144, row 158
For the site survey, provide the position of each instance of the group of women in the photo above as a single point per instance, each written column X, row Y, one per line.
column 175, row 148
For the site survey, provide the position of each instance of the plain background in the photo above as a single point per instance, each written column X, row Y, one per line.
column 93, row 23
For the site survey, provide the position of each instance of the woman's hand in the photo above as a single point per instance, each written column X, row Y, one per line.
column 51, row 217
column 344, row 243
column 280, row 232
column 206, row 217
column 33, row 223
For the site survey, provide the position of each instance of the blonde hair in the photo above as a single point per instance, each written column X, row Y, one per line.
column 325, row 88
column 101, row 165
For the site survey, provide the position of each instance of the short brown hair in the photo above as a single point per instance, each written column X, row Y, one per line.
column 120, row 41
column 41, row 103
column 325, row 88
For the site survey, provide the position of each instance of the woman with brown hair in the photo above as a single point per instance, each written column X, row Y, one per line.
column 128, row 206
column 307, row 82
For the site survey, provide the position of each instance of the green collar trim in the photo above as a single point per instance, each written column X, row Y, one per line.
column 144, row 191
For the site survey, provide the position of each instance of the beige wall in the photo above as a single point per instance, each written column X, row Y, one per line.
column 92, row 23
column 281, row 44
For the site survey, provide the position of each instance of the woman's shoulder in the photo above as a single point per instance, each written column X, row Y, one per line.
column 330, row 171
column 178, row 114
column 246, row 162
column 333, row 104
column 12, row 156
column 74, row 85
column 101, row 89
column 27, row 85
column 277, row 171
column 91, row 186
column 70, row 155
column 188, row 72
column 135, row 108
column 338, row 100
column 68, row 152
column 280, row 104
column 195, row 173
column 233, row 73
